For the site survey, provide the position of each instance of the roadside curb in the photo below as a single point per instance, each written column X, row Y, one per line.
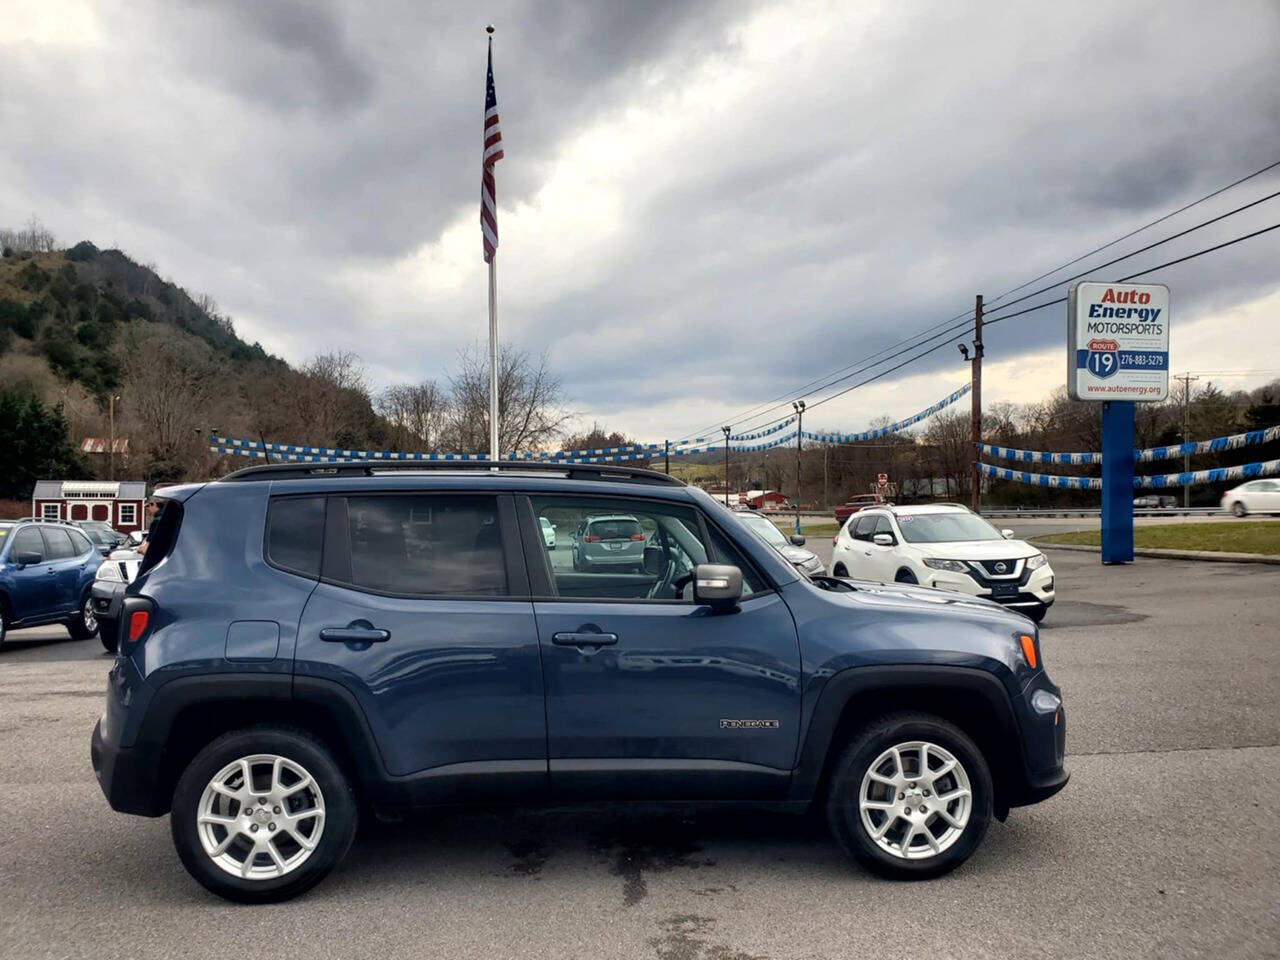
column 1213, row 556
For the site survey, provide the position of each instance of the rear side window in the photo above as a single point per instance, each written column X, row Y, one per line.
column 295, row 534
column 163, row 535
column 58, row 544
column 426, row 545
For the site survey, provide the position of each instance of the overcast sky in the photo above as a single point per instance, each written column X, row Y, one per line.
column 702, row 206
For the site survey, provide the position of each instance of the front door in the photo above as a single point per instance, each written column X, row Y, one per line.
column 35, row 584
column 424, row 617
column 650, row 695
column 67, row 566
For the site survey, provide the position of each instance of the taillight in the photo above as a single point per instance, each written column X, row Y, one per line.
column 139, row 620
column 590, row 538
column 637, row 536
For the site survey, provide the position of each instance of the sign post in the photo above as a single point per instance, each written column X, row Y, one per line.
column 1118, row 354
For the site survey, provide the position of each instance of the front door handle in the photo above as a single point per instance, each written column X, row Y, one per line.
column 584, row 639
column 354, row 635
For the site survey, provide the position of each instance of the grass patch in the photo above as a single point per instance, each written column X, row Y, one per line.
column 788, row 526
column 1248, row 537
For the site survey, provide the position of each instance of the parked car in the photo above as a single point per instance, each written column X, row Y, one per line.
column 615, row 542
column 860, row 502
column 115, row 573
column 548, row 533
column 792, row 548
column 1154, row 502
column 103, row 536
column 947, row 547
column 442, row 658
column 1256, row 496
column 45, row 572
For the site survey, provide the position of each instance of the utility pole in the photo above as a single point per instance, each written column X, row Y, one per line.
column 667, row 455
column 726, row 465
column 798, row 407
column 111, row 449
column 826, row 500
column 975, row 415
column 1187, row 380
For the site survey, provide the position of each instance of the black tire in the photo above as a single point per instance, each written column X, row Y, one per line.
column 906, row 576
column 840, row 571
column 4, row 625
column 843, row 815
column 1237, row 509
column 1037, row 614
column 340, row 816
column 110, row 636
column 79, row 626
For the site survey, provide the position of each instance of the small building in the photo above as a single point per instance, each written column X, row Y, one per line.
column 764, row 499
column 117, row 502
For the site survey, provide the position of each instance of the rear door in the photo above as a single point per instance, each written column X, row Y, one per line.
column 423, row 615
column 650, row 695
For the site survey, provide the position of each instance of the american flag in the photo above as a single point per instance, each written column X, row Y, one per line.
column 492, row 154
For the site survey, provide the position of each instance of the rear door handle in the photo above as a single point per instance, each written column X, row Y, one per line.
column 584, row 639
column 354, row 635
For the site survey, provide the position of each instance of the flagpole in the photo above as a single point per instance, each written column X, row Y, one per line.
column 493, row 359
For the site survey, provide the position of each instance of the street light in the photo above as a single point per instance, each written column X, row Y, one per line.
column 726, row 465
column 798, row 407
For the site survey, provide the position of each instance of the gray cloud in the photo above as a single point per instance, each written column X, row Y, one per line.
column 871, row 181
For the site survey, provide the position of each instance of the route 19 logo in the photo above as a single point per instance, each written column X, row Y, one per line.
column 1104, row 358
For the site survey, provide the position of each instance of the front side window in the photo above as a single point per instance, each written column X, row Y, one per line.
column 426, row 545
column 883, row 525
column 863, row 530
column 621, row 549
column 80, row 542
column 28, row 541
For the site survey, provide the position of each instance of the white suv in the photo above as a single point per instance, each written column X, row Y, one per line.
column 947, row 547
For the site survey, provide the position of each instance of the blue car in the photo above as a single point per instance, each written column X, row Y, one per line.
column 305, row 642
column 46, row 570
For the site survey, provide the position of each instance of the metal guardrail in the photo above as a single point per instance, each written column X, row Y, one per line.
column 1096, row 512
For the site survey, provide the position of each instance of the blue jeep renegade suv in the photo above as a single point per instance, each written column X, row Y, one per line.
column 303, row 643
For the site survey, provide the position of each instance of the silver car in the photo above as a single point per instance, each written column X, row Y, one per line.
column 614, row 542
column 792, row 548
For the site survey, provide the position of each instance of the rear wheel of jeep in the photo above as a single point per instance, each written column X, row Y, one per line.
column 263, row 814
column 910, row 798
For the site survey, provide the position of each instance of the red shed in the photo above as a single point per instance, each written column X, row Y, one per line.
column 117, row 502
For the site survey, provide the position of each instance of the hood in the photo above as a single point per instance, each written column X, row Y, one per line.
column 796, row 554
column 978, row 550
column 907, row 595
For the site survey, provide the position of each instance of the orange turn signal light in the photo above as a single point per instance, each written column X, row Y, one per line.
column 1028, row 649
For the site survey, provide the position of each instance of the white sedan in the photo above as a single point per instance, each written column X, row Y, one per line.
column 947, row 547
column 1256, row 496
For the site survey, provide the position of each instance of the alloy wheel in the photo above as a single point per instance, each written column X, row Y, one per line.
column 915, row 800
column 260, row 817
column 89, row 618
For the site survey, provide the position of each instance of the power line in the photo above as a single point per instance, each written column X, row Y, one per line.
column 1193, row 203
column 1150, row 246
column 866, row 363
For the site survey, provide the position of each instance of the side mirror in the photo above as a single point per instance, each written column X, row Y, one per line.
column 27, row 559
column 717, row 584
column 796, row 540
column 883, row 540
column 1007, row 533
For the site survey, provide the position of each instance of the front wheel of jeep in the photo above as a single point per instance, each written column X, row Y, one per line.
column 262, row 814
column 910, row 797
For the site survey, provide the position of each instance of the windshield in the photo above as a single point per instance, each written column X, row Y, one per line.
column 764, row 528
column 945, row 527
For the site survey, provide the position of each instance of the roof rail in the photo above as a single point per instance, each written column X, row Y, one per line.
column 373, row 468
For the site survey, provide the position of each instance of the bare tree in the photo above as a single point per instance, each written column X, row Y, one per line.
column 35, row 237
column 330, row 398
column 169, row 380
column 418, row 414
column 530, row 413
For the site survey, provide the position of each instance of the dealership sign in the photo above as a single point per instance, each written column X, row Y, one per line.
column 1118, row 341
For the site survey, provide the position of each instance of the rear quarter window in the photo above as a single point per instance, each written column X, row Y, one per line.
column 295, row 534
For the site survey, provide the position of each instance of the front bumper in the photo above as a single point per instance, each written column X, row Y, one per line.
column 1036, row 590
column 107, row 596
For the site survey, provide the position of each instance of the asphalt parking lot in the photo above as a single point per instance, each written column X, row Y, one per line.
column 1164, row 844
